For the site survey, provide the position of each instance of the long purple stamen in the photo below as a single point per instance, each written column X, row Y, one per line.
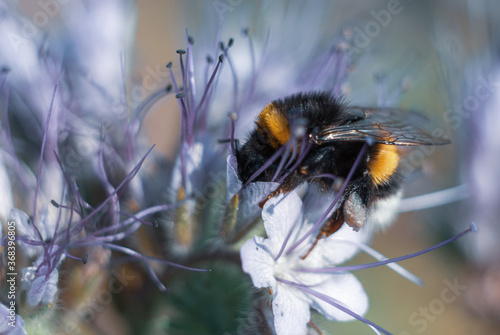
column 145, row 259
column 40, row 162
column 174, row 82
column 283, row 160
column 150, row 101
column 334, row 302
column 204, row 112
column 74, row 257
column 73, row 187
column 138, row 256
column 304, row 150
column 131, row 175
column 439, row 198
column 251, row 86
column 99, row 234
column 115, row 203
column 379, row 257
column 472, row 228
column 233, row 73
column 183, row 71
column 368, row 143
column 58, row 221
column 295, row 152
column 190, row 74
column 58, row 205
column 212, row 77
column 233, row 117
column 186, row 119
column 265, row 165
column 185, row 128
column 285, row 242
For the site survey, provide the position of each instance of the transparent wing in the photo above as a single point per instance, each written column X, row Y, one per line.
column 383, row 125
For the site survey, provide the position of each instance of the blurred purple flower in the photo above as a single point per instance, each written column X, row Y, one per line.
column 40, row 283
column 10, row 322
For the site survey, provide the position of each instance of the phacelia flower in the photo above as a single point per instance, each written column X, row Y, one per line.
column 271, row 266
column 299, row 280
column 40, row 283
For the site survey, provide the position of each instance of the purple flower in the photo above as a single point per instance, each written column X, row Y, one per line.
column 10, row 322
column 40, row 283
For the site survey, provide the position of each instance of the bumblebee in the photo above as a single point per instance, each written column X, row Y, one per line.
column 319, row 135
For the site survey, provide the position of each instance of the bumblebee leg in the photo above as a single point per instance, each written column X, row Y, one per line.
column 290, row 183
column 331, row 226
column 270, row 195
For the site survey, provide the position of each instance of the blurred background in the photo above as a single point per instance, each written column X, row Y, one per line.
column 437, row 57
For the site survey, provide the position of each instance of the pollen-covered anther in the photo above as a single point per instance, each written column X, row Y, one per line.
column 299, row 131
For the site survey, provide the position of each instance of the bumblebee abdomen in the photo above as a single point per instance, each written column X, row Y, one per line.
column 382, row 163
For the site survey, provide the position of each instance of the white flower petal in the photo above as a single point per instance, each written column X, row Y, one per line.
column 250, row 197
column 291, row 313
column 40, row 288
column 43, row 289
column 258, row 262
column 280, row 214
column 330, row 252
column 21, row 219
column 345, row 288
